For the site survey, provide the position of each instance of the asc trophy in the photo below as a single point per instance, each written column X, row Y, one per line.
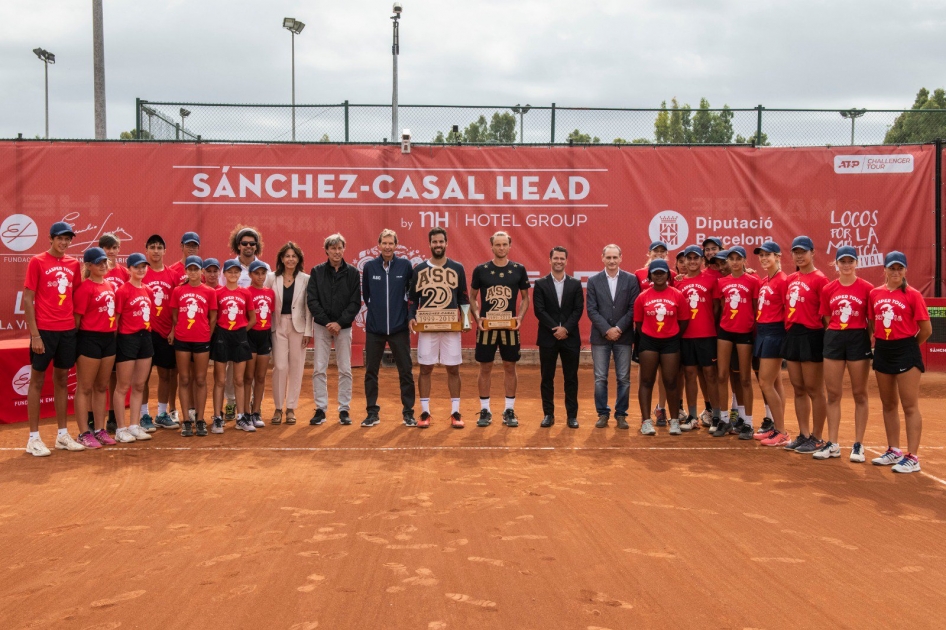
column 443, row 319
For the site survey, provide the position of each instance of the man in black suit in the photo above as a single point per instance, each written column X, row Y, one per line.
column 611, row 296
column 558, row 306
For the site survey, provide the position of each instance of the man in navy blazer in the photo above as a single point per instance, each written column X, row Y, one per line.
column 611, row 295
column 558, row 303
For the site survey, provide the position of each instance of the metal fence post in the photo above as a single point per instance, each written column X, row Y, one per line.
column 758, row 127
column 137, row 119
column 553, row 123
column 346, row 121
column 938, row 214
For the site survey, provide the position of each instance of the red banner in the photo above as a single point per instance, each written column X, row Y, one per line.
column 877, row 199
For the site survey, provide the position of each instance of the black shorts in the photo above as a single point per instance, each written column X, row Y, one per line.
column 897, row 356
column 744, row 339
column 661, row 345
column 803, row 345
column 506, row 340
column 230, row 345
column 134, row 346
column 847, row 345
column 261, row 341
column 768, row 341
column 163, row 356
column 699, row 351
column 193, row 347
column 95, row 345
column 60, row 350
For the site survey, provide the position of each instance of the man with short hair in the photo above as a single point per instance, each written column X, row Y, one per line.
column 438, row 283
column 51, row 280
column 161, row 279
column 334, row 299
column 611, row 295
column 384, row 284
column 559, row 304
column 502, row 281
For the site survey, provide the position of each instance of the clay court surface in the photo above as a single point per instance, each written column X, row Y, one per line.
column 389, row 527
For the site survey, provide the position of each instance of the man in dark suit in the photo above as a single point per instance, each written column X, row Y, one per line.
column 558, row 306
column 611, row 296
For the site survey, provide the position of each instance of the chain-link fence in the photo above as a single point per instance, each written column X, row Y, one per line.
column 547, row 124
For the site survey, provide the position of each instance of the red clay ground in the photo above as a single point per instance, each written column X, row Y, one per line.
column 344, row 527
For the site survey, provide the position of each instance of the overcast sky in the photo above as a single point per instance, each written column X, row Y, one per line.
column 609, row 53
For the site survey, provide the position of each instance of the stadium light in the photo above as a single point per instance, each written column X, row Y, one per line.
column 294, row 27
column 853, row 114
column 47, row 58
column 184, row 114
column 395, row 51
column 521, row 110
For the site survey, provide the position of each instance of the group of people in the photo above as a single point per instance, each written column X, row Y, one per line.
column 704, row 325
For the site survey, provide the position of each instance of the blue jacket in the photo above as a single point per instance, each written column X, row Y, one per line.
column 385, row 294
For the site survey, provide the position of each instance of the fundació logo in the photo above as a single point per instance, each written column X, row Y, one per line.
column 671, row 227
column 21, row 380
column 18, row 232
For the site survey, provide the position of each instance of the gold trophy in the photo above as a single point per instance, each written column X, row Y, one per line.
column 499, row 317
column 436, row 286
column 440, row 320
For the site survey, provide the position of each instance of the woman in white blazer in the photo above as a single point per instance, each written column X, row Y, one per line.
column 292, row 330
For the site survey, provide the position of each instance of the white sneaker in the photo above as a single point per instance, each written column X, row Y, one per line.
column 908, row 464
column 64, row 442
column 706, row 418
column 889, row 458
column 647, row 427
column 857, row 452
column 124, row 436
column 36, row 448
column 674, row 426
column 828, row 450
column 174, row 416
column 139, row 434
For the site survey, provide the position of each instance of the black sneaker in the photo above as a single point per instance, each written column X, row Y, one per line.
column 409, row 420
column 188, row 429
column 344, row 418
column 767, row 425
column 371, row 421
column 722, row 429
column 201, row 428
column 510, row 419
column 486, row 418
column 737, row 425
column 318, row 418
column 111, row 425
column 811, row 445
column 745, row 433
column 714, row 425
column 217, row 425
column 798, row 441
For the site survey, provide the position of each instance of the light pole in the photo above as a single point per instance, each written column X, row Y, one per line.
column 184, row 114
column 47, row 58
column 295, row 27
column 853, row 114
column 147, row 111
column 98, row 69
column 395, row 51
column 521, row 110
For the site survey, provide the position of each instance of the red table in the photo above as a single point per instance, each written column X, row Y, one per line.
column 15, row 381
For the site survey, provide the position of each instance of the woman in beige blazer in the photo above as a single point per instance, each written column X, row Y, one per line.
column 292, row 330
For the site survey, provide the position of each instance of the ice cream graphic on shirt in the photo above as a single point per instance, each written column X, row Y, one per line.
column 62, row 281
column 191, row 312
column 661, row 311
column 793, row 296
column 263, row 313
column 110, row 309
column 886, row 312
column 146, row 315
column 232, row 310
column 159, row 299
column 694, row 297
column 733, row 303
column 846, row 311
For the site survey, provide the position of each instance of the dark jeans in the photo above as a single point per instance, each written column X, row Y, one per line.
column 547, row 360
column 400, row 344
column 601, row 356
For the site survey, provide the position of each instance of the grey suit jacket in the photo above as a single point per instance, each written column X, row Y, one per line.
column 606, row 313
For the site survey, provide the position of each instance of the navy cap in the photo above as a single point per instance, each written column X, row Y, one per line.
column 61, row 228
column 155, row 238
column 895, row 257
column 192, row 261
column 657, row 244
column 681, row 254
column 722, row 254
column 211, row 262
column 135, row 259
column 712, row 239
column 693, row 249
column 737, row 250
column 231, row 263
column 770, row 247
column 658, row 265
column 845, row 252
column 258, row 264
column 190, row 237
column 94, row 255
column 803, row 242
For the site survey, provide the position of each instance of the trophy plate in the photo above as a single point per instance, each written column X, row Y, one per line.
column 438, row 320
column 500, row 321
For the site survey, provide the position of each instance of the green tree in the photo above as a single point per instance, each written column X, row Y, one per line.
column 662, row 125
column 130, row 135
column 582, row 138
column 477, row 132
column 502, row 128
column 619, row 141
column 324, row 138
column 920, row 127
column 752, row 139
column 641, row 141
column 721, row 131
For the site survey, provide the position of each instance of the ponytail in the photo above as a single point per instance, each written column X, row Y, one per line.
column 903, row 284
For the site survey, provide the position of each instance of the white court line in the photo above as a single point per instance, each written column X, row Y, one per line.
column 321, row 449
column 881, row 450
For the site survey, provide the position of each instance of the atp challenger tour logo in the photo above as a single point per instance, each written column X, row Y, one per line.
column 499, row 298
column 670, row 227
column 436, row 285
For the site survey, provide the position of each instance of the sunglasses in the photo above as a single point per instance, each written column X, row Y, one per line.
column 247, row 243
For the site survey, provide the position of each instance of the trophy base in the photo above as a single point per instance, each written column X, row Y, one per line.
column 438, row 327
column 500, row 324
